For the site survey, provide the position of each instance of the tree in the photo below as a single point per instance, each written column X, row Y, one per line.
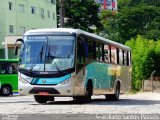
column 134, row 17
column 145, row 59
column 138, row 21
column 82, row 14
column 109, row 25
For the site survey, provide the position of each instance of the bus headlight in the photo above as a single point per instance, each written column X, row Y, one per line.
column 23, row 80
column 66, row 82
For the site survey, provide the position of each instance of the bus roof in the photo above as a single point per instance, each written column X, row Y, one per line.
column 9, row 60
column 78, row 32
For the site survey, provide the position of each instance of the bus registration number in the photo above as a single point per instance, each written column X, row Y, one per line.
column 43, row 93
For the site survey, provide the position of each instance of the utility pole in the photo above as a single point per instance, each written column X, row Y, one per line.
column 61, row 13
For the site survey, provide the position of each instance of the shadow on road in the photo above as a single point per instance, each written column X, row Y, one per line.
column 124, row 102
column 16, row 102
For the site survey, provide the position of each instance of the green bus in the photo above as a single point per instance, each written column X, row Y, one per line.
column 8, row 77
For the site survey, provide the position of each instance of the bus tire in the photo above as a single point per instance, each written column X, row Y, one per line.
column 87, row 97
column 6, row 90
column 41, row 99
column 89, row 90
column 115, row 96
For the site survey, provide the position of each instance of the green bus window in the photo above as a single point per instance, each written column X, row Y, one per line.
column 14, row 67
column 8, row 68
column 2, row 68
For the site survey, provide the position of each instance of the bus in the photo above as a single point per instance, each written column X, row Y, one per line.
column 71, row 62
column 8, row 77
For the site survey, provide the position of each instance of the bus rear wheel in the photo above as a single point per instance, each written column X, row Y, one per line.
column 115, row 96
column 6, row 90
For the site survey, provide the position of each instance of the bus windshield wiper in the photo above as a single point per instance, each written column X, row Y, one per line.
column 57, row 67
column 53, row 57
column 37, row 58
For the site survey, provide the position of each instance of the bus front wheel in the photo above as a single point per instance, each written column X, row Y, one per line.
column 6, row 90
column 87, row 97
column 115, row 96
column 43, row 99
column 89, row 91
column 40, row 99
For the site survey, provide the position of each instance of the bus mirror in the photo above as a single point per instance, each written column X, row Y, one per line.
column 19, row 40
column 16, row 50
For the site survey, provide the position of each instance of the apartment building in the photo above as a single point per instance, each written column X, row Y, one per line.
column 107, row 4
column 18, row 16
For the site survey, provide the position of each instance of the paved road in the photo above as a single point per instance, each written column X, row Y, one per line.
column 141, row 103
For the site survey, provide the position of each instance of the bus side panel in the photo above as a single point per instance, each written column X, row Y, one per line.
column 103, row 76
column 126, row 78
column 10, row 79
column 79, row 88
column 97, row 72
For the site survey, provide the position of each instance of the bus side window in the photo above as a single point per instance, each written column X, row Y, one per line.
column 2, row 68
column 99, row 52
column 14, row 68
column 113, row 55
column 80, row 54
column 125, row 57
column 106, row 53
column 120, row 57
column 90, row 49
column 130, row 62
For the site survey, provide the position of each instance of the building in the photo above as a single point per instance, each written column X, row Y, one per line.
column 17, row 16
column 108, row 4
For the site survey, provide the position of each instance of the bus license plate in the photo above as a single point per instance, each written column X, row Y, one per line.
column 43, row 93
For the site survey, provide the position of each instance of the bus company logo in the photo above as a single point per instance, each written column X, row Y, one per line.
column 44, row 81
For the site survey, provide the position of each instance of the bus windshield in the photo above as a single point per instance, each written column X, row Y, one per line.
column 47, row 53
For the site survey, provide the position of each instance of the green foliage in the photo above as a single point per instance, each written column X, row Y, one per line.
column 140, row 20
column 145, row 59
column 134, row 17
column 110, row 25
column 82, row 14
column 131, row 3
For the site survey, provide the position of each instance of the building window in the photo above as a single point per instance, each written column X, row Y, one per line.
column 21, row 8
column 33, row 10
column 10, row 5
column 53, row 1
column 11, row 29
column 53, row 16
column 48, row 12
column 42, row 13
column 22, row 29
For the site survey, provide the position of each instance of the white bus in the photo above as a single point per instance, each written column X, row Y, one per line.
column 71, row 62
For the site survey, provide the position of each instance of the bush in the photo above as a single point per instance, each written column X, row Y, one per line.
column 145, row 59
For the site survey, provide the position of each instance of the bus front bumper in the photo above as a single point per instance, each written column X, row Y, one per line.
column 55, row 90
